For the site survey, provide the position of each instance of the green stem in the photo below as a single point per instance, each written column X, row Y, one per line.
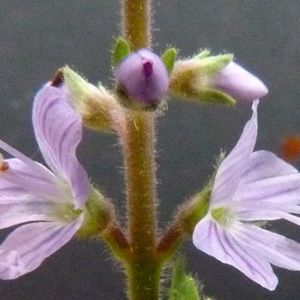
column 136, row 16
column 142, row 268
column 140, row 181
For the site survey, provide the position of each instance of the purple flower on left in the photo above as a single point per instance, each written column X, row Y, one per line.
column 47, row 203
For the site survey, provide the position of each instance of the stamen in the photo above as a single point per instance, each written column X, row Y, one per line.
column 3, row 164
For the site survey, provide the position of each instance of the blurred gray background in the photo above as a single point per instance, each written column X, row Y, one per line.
column 38, row 37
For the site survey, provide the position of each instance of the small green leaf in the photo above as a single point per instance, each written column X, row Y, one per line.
column 168, row 58
column 183, row 286
column 120, row 49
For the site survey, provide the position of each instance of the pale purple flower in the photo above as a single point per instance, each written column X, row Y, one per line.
column 238, row 83
column 251, row 187
column 46, row 203
column 143, row 76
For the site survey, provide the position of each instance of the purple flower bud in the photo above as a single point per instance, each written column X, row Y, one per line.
column 239, row 83
column 143, row 76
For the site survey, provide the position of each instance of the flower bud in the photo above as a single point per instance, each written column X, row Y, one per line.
column 143, row 77
column 215, row 79
column 238, row 83
column 97, row 106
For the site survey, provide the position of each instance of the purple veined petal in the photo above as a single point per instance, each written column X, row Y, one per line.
column 58, row 130
column 258, row 213
column 21, row 210
column 277, row 249
column 39, row 169
column 234, row 165
column 30, row 180
column 239, row 83
column 11, row 266
column 215, row 241
column 283, row 190
column 11, row 190
column 265, row 164
column 33, row 243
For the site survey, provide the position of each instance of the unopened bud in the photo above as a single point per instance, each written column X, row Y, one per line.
column 143, row 77
column 215, row 79
column 240, row 84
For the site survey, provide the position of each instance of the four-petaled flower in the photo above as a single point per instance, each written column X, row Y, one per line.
column 46, row 203
column 250, row 187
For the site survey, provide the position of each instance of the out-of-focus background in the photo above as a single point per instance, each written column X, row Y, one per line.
column 37, row 37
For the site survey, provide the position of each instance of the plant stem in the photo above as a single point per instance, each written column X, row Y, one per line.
column 142, row 268
column 136, row 17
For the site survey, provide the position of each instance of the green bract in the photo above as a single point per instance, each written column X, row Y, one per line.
column 120, row 49
column 168, row 58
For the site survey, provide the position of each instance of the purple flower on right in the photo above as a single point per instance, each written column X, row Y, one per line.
column 251, row 187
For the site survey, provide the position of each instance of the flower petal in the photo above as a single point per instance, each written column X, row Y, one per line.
column 33, row 243
column 212, row 239
column 264, row 165
column 36, row 180
column 23, row 210
column 239, row 83
column 235, row 164
column 58, row 131
column 269, row 183
column 277, row 249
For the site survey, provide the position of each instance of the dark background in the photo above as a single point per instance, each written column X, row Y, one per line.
column 39, row 36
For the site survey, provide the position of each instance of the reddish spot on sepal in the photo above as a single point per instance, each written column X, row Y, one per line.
column 290, row 147
column 58, row 78
column 4, row 166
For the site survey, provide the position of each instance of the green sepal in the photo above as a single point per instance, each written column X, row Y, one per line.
column 120, row 49
column 194, row 210
column 214, row 96
column 212, row 64
column 183, row 286
column 191, row 212
column 168, row 58
column 76, row 84
column 98, row 213
column 203, row 53
column 94, row 104
column 139, row 106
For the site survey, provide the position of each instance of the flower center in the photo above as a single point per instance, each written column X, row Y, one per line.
column 222, row 215
column 66, row 213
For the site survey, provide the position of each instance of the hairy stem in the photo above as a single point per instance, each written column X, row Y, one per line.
column 136, row 25
column 142, row 268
